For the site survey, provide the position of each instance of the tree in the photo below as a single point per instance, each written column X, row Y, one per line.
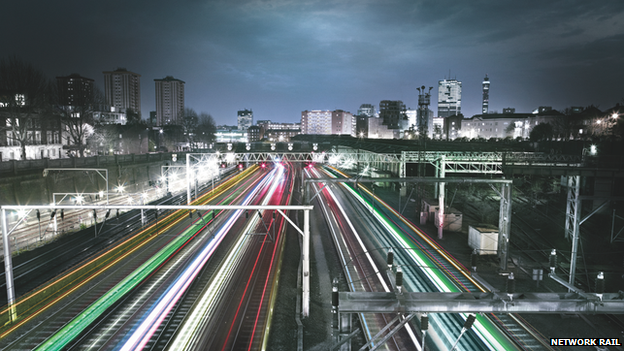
column 190, row 122
column 206, row 129
column 133, row 117
column 78, row 119
column 541, row 132
column 511, row 129
column 24, row 99
column 104, row 138
column 563, row 125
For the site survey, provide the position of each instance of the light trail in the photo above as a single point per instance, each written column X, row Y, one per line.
column 371, row 262
column 145, row 238
column 483, row 327
column 148, row 326
column 154, row 285
column 72, row 329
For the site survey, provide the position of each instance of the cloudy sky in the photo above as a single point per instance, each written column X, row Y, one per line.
column 280, row 57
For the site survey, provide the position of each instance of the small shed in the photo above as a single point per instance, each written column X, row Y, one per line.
column 429, row 206
column 484, row 239
column 452, row 219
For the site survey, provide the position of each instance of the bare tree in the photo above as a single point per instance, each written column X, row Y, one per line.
column 190, row 122
column 104, row 138
column 206, row 129
column 563, row 124
column 78, row 119
column 24, row 99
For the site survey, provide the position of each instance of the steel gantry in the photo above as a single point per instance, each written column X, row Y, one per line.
column 504, row 232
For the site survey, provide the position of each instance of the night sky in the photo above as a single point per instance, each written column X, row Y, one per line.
column 280, row 57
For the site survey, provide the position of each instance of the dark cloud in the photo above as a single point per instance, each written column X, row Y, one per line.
column 280, row 57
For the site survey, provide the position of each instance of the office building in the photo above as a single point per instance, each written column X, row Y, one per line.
column 328, row 122
column 343, row 123
column 449, row 97
column 245, row 119
column 392, row 114
column 122, row 90
column 316, row 122
column 367, row 110
column 169, row 100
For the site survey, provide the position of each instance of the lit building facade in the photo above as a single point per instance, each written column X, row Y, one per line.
column 276, row 131
column 449, row 97
column 316, row 122
column 122, row 90
column 169, row 100
column 503, row 125
column 378, row 130
column 343, row 123
column 244, row 119
column 42, row 136
column 110, row 116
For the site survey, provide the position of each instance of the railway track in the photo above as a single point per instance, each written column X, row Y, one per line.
column 427, row 266
column 155, row 239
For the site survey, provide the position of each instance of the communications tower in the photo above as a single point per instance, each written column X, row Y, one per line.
column 486, row 95
column 423, row 116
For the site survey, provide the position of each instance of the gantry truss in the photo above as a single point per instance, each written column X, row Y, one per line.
column 455, row 161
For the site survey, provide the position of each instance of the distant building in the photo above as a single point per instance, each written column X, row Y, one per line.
column 452, row 127
column 169, row 100
column 328, row 122
column 231, row 134
column 275, row 131
column 485, row 103
column 110, row 115
column 343, row 123
column 122, row 89
column 74, row 90
column 361, row 126
column 510, row 124
column 43, row 132
column 437, row 128
column 253, row 133
column 244, row 119
column 378, row 130
column 412, row 118
column 392, row 113
column 367, row 110
column 449, row 97
column 316, row 122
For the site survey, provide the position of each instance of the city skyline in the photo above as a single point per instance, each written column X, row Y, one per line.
column 281, row 57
